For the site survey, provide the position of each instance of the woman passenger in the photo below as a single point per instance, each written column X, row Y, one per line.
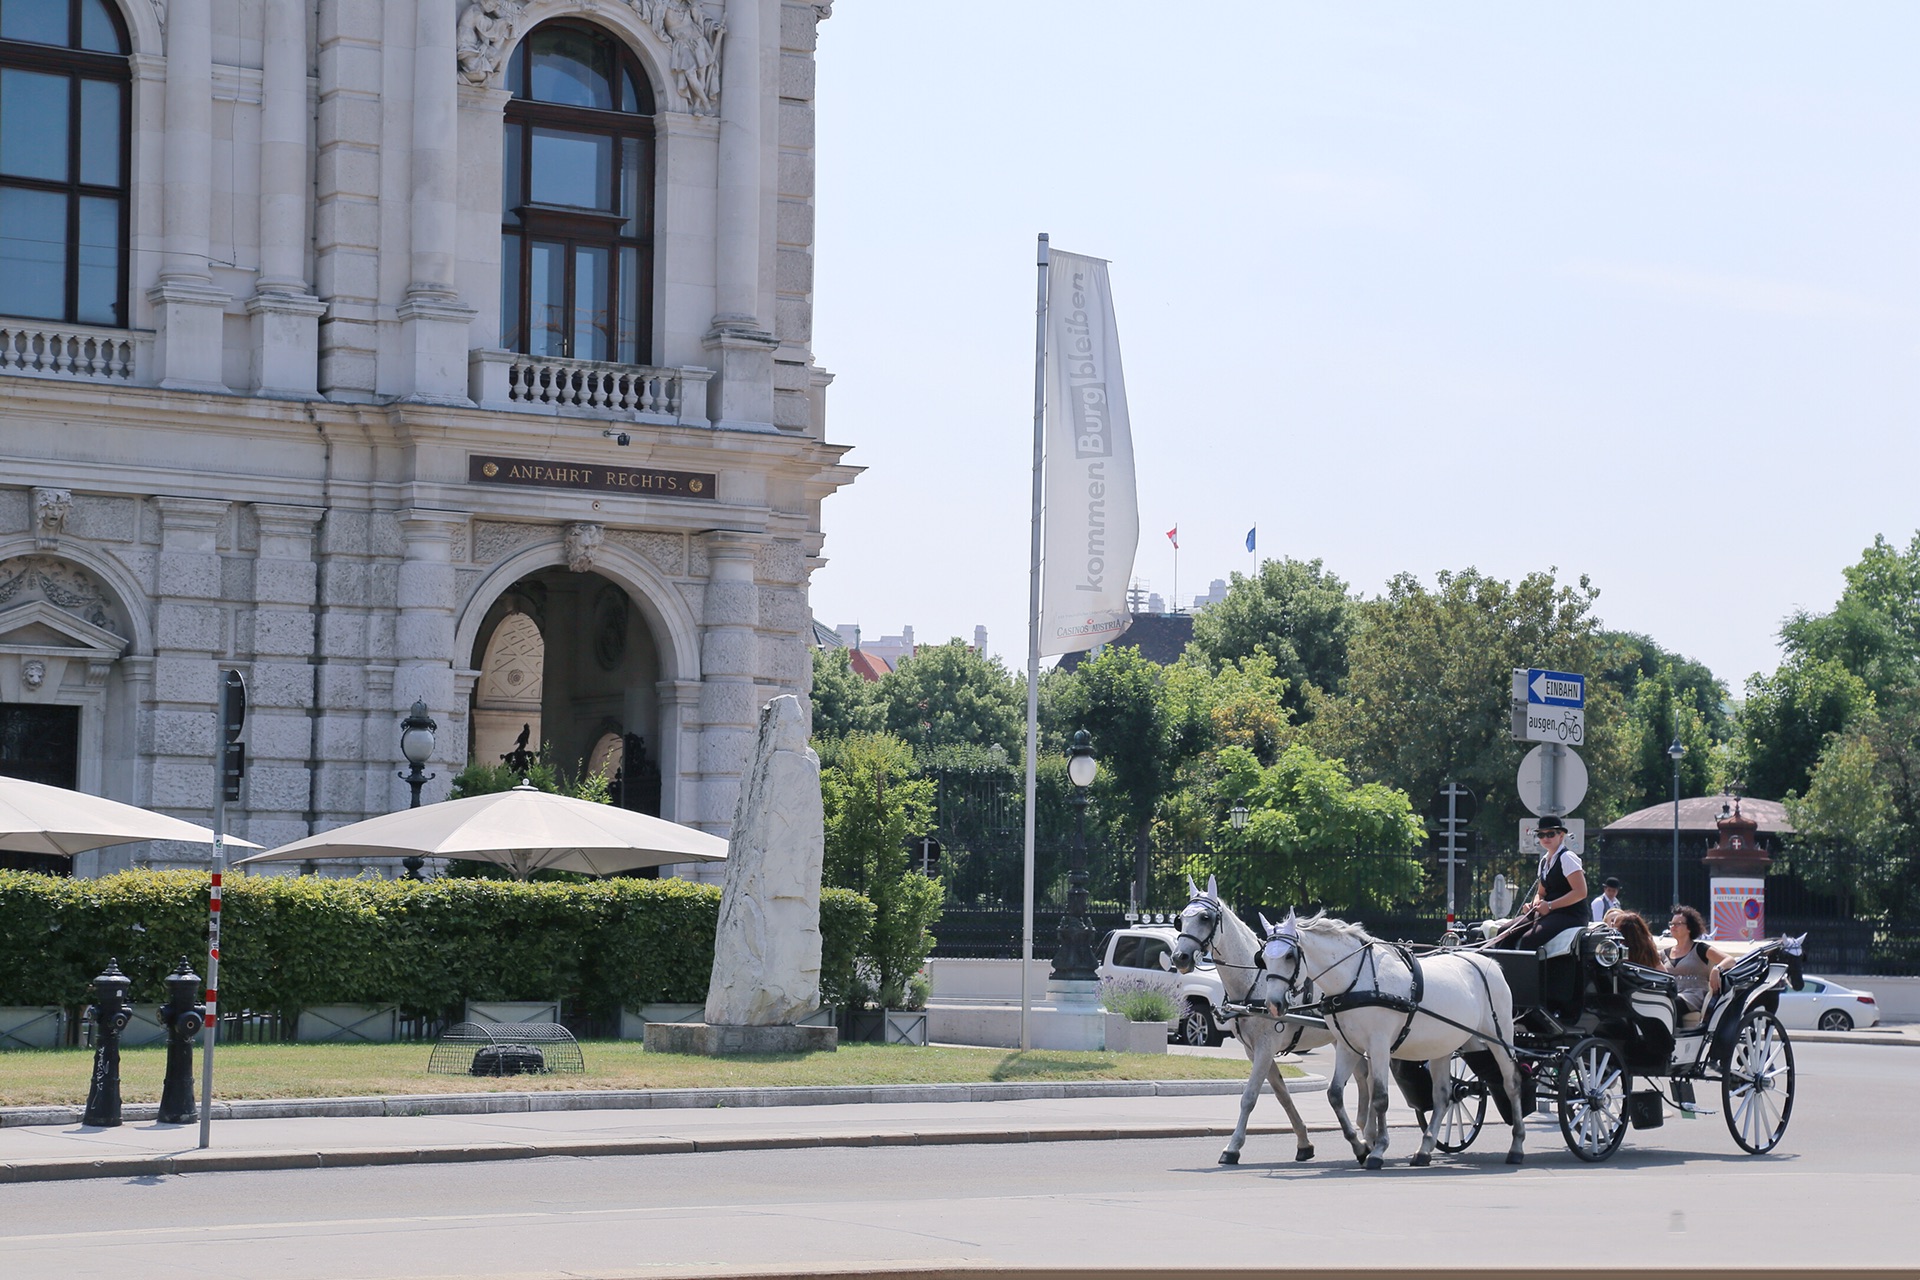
column 1639, row 939
column 1694, row 964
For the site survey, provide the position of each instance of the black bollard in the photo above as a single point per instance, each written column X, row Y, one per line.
column 110, row 1011
column 184, row 1018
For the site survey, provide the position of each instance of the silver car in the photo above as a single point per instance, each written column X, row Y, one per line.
column 1822, row 1004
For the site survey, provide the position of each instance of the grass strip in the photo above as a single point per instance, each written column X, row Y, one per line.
column 41, row 1077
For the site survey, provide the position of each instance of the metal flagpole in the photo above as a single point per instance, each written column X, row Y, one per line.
column 1033, row 633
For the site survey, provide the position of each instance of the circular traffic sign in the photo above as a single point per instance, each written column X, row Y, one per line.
column 1570, row 783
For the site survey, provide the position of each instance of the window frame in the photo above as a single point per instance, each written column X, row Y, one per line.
column 78, row 66
column 575, row 228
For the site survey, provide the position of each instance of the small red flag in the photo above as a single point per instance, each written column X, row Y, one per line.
column 1173, row 536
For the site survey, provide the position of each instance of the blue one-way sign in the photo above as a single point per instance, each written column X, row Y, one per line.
column 1552, row 688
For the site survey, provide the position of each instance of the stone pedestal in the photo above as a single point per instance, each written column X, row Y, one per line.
column 720, row 1041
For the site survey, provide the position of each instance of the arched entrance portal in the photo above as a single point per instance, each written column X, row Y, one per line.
column 567, row 660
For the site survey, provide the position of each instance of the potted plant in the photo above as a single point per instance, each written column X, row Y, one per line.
column 1140, row 1017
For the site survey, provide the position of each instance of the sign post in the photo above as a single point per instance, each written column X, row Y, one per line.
column 1452, row 807
column 230, row 765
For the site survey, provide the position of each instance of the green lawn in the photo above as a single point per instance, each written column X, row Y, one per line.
column 328, row 1071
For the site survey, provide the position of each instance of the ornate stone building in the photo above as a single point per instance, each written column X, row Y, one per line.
column 431, row 349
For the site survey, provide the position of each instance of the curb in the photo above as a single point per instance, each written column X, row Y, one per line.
column 259, row 1161
column 475, row 1104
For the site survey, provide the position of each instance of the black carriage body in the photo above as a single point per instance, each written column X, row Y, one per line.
column 1561, row 998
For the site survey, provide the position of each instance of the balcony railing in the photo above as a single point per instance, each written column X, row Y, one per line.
column 588, row 388
column 78, row 353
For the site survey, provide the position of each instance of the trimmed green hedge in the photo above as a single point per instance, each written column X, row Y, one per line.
column 296, row 942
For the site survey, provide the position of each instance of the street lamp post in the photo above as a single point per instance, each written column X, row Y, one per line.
column 1674, row 753
column 1074, row 961
column 1237, row 816
column 416, row 744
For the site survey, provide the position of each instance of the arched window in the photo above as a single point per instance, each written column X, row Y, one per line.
column 576, row 274
column 64, row 85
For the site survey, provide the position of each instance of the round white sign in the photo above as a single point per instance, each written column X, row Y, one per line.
column 1572, row 781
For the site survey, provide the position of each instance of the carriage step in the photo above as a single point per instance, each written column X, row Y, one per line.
column 1688, row 1110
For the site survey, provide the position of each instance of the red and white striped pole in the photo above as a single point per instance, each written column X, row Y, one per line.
column 228, row 768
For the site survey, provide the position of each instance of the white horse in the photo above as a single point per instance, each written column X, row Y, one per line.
column 1383, row 1003
column 1206, row 924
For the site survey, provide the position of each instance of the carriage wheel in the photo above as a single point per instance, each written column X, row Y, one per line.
column 1593, row 1099
column 1757, row 1090
column 1466, row 1109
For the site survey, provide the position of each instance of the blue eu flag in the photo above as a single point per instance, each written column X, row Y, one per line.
column 1250, row 534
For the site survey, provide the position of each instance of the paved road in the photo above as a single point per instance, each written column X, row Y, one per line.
column 1680, row 1195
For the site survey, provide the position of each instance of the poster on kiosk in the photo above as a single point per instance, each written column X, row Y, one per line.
column 1739, row 908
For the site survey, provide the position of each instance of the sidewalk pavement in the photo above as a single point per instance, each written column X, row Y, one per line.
column 43, row 1144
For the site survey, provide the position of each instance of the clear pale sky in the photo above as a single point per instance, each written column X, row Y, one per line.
column 1628, row 290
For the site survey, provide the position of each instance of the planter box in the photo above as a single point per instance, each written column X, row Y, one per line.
column 349, row 1024
column 888, row 1026
column 508, row 1012
column 32, row 1026
column 1124, row 1036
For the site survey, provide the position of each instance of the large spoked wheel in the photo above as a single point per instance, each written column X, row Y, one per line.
column 1466, row 1109
column 1757, row 1090
column 1593, row 1099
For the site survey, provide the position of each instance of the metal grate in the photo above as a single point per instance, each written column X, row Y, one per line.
column 506, row 1049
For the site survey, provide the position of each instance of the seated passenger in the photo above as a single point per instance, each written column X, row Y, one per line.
column 1694, row 964
column 1560, row 896
column 1641, row 949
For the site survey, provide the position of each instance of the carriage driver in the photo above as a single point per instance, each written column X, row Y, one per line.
column 1560, row 898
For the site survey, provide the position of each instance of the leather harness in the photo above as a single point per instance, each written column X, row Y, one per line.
column 1378, row 999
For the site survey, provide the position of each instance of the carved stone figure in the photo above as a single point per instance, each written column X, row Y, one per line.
column 51, row 507
column 583, row 539
column 34, row 672
column 59, row 583
column 766, row 950
column 693, row 48
column 480, row 39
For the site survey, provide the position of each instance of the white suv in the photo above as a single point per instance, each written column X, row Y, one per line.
column 1139, row 954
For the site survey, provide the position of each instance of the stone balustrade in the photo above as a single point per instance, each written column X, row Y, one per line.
column 588, row 388
column 79, row 353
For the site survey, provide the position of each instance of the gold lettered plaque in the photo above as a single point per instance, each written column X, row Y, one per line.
column 598, row 477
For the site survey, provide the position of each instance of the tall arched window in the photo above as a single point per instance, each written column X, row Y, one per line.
column 577, row 219
column 63, row 161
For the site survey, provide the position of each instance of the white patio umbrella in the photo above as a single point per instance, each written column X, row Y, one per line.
column 524, row 830
column 37, row 818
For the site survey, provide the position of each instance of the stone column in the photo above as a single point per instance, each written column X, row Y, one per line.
column 189, row 641
column 281, row 687
column 346, row 216
column 741, row 345
column 729, row 693
column 285, row 346
column 423, row 640
column 433, row 321
column 187, row 306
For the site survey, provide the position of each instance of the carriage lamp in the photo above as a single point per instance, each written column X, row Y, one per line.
column 1237, row 815
column 1609, row 952
column 1074, row 961
column 416, row 744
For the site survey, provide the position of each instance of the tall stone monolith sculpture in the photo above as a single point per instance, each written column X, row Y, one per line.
column 766, row 950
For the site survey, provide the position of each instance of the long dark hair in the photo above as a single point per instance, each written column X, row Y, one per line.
column 1639, row 939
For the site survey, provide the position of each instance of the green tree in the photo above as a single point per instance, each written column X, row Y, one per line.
column 1297, row 612
column 1874, row 629
column 843, row 702
column 1787, row 717
column 1430, row 686
column 1312, row 836
column 874, row 804
column 1661, row 709
column 1117, row 698
column 948, row 694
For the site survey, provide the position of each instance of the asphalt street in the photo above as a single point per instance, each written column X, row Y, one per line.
column 1839, row 1192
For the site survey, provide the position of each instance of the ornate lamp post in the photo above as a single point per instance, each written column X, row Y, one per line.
column 416, row 744
column 1074, row 961
column 1674, row 753
column 1237, row 816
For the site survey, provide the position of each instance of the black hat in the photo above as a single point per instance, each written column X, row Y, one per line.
column 1611, row 882
column 1550, row 824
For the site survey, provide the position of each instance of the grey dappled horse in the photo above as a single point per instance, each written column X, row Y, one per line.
column 1208, row 924
column 1463, row 1002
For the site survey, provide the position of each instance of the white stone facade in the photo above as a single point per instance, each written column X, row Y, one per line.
column 275, row 466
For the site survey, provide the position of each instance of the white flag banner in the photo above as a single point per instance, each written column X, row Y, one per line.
column 1092, row 514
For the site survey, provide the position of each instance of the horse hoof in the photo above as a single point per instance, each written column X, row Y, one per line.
column 1421, row 1161
column 1516, row 1157
column 1304, row 1153
column 1374, row 1164
column 1229, row 1157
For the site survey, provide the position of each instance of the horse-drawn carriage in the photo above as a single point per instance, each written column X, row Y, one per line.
column 1573, row 1027
column 1596, row 1038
